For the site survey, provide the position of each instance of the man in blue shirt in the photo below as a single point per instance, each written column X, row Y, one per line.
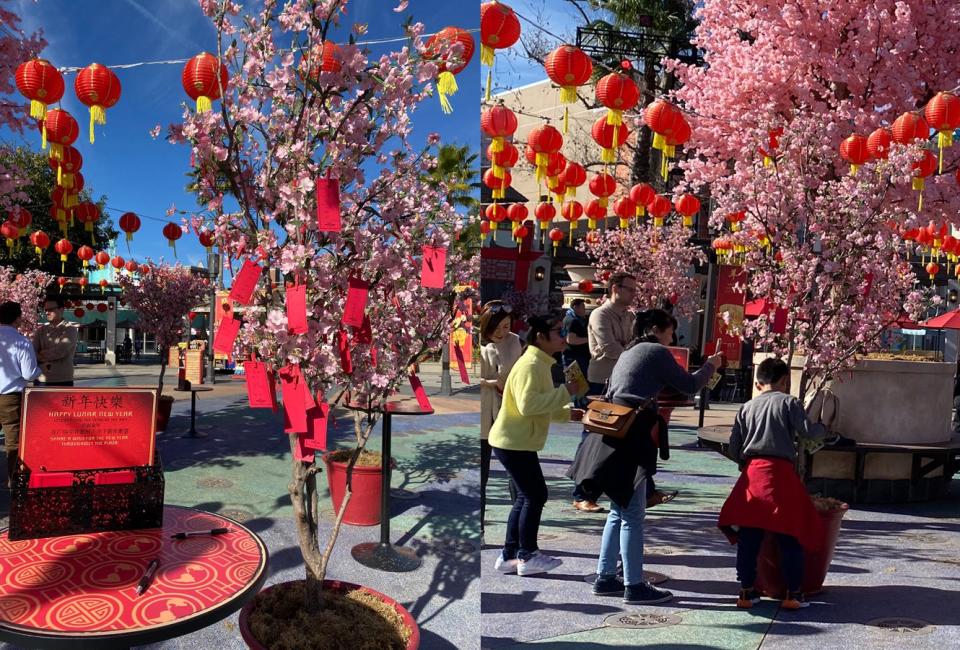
column 18, row 365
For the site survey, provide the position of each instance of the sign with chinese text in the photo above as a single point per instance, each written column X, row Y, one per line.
column 66, row 429
column 731, row 300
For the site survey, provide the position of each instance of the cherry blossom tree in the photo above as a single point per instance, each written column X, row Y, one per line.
column 816, row 240
column 660, row 258
column 287, row 122
column 162, row 298
column 29, row 288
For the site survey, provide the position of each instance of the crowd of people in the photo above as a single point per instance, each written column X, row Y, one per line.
column 626, row 359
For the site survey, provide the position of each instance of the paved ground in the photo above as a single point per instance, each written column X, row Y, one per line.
column 242, row 470
column 890, row 561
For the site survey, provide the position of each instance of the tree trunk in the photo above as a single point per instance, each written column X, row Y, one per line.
column 163, row 367
column 302, row 485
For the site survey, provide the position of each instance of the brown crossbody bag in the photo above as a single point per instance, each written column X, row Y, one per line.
column 609, row 419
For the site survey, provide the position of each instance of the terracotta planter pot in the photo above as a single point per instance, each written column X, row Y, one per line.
column 364, row 507
column 333, row 585
column 815, row 565
column 164, row 405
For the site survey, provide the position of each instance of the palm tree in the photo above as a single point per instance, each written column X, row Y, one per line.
column 457, row 168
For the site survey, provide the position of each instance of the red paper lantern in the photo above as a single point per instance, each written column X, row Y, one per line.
column 201, row 80
column 687, row 206
column 61, row 282
column 662, row 117
column 544, row 140
column 103, row 285
column 855, row 151
column 610, row 137
column 495, row 213
column 68, row 164
column 144, row 269
column 78, row 312
column 98, row 88
column 64, row 247
column 87, row 213
column 450, row 63
column 20, row 217
column 626, row 209
column 545, row 213
column 129, row 223
column 499, row 123
column 556, row 163
column 172, row 232
column 619, row 93
column 40, row 241
column 642, row 194
column 329, row 55
column 207, row 239
column 117, row 262
column 572, row 176
column 921, row 170
column 83, row 282
column 932, row 269
column 585, row 286
column 556, row 236
column 568, row 66
column 734, row 219
column 131, row 266
column 571, row 211
column 60, row 130
column 41, row 83
column 878, row 144
column 498, row 186
column 603, row 186
column 85, row 253
column 909, row 127
column 595, row 212
column 943, row 114
column 517, row 213
column 499, row 29
column 102, row 258
column 11, row 233
column 659, row 208
column 102, row 308
column 506, row 158
column 677, row 137
column 773, row 142
column 484, row 227
column 521, row 232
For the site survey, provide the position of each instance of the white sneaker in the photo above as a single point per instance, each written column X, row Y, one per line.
column 506, row 566
column 538, row 563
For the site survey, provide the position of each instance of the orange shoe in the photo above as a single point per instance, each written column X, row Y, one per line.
column 794, row 600
column 748, row 598
column 587, row 506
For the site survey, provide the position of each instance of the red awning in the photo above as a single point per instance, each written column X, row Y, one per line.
column 755, row 307
column 947, row 321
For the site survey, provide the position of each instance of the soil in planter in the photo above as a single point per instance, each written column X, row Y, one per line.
column 355, row 620
column 367, row 458
column 826, row 504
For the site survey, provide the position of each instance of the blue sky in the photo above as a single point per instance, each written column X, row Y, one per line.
column 146, row 176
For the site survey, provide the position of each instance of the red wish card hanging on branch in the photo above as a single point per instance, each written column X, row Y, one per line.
column 353, row 311
column 317, row 421
column 227, row 332
column 328, row 204
column 420, row 393
column 297, row 309
column 245, row 282
column 293, row 387
column 343, row 347
column 301, row 452
column 261, row 390
column 458, row 351
column 433, row 268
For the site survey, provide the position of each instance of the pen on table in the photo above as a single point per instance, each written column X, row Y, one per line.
column 148, row 576
column 200, row 533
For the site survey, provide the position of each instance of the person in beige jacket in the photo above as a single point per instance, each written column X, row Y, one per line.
column 55, row 343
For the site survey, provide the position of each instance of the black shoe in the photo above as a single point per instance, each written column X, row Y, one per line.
column 645, row 594
column 608, row 586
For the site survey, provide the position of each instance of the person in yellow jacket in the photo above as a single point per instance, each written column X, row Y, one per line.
column 530, row 403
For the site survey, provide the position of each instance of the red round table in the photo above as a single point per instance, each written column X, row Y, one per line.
column 79, row 591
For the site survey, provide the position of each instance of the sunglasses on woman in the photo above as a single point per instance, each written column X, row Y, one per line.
column 496, row 309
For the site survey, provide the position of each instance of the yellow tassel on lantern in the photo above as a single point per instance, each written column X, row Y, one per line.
column 659, row 141
column 97, row 116
column 687, row 221
column 67, row 180
column 446, row 85
column 624, row 223
column 38, row 110
column 486, row 55
column 497, row 145
column 63, row 263
column 43, row 138
column 591, row 224
column 497, row 171
column 59, row 174
column 486, row 93
column 853, row 169
column 541, row 171
column 556, row 245
column 658, row 222
column 203, row 104
column 566, row 119
column 918, row 184
column 39, row 252
column 767, row 161
column 608, row 155
column 571, row 193
column 573, row 228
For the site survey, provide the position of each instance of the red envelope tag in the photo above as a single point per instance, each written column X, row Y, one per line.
column 226, row 334
column 868, row 278
column 328, row 204
column 50, row 479
column 261, row 391
column 420, row 393
column 317, row 421
column 353, row 311
column 301, row 452
column 343, row 347
column 245, row 282
column 293, row 386
column 297, row 309
column 779, row 325
column 461, row 364
column 434, row 266
column 115, row 478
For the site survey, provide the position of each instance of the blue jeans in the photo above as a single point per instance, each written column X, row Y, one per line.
column 623, row 537
column 523, row 524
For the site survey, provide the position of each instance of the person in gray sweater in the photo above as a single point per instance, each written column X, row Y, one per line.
column 769, row 498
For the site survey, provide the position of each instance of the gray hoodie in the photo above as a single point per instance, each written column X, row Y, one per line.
column 765, row 426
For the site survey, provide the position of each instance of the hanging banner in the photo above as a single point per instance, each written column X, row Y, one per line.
column 461, row 336
column 730, row 300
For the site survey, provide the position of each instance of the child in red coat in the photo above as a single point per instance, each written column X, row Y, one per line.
column 769, row 497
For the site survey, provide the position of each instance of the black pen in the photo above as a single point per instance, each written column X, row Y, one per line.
column 200, row 533
column 148, row 576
